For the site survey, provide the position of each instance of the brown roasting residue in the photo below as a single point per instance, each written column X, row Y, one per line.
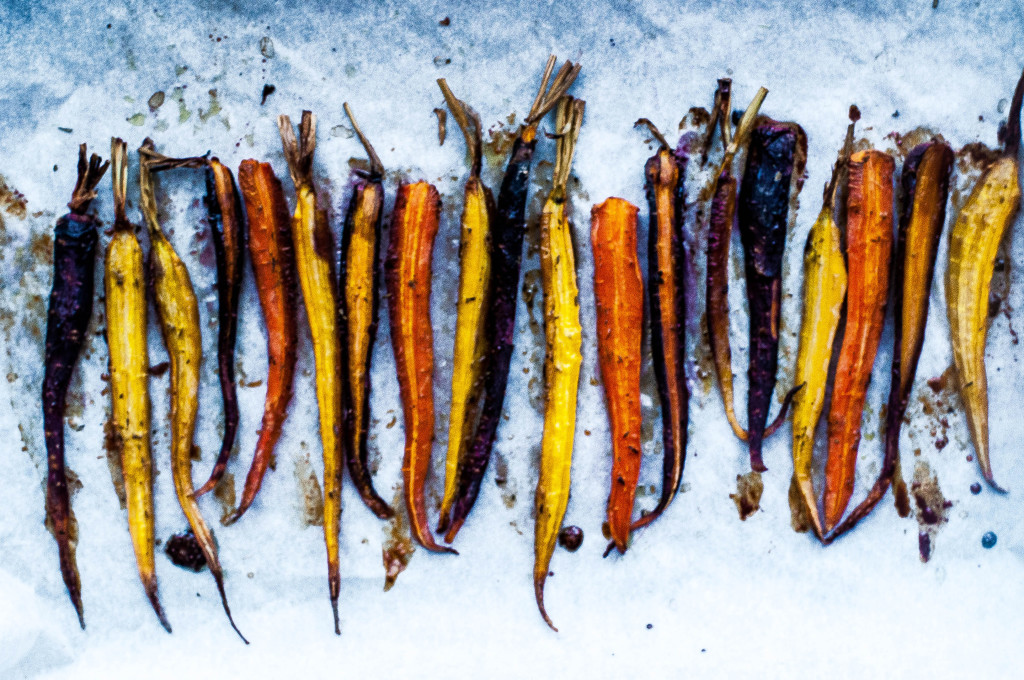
column 931, row 507
column 798, row 518
column 309, row 490
column 747, row 498
column 224, row 492
column 398, row 548
column 12, row 201
column 113, row 446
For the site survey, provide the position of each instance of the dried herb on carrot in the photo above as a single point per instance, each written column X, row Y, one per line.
column 473, row 302
column 500, row 319
column 869, row 244
column 824, row 296
column 273, row 266
column 178, row 315
column 973, row 244
column 414, row 226
column 777, row 152
column 563, row 335
column 314, row 252
column 358, row 301
column 227, row 224
column 67, row 318
column 125, row 293
column 925, row 182
column 618, row 293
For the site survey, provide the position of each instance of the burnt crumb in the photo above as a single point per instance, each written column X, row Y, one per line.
column 988, row 541
column 160, row 369
column 184, row 551
column 268, row 90
column 611, row 41
column 650, row 625
column 855, row 113
column 976, row 488
column 571, row 538
column 447, row 21
column 747, row 498
column 896, row 113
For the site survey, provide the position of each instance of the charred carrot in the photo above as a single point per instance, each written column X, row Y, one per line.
column 973, row 242
column 227, row 224
column 314, row 252
column 500, row 319
column 473, row 301
column 562, row 360
column 178, row 315
column 358, row 301
column 273, row 266
column 618, row 292
column 925, row 182
column 777, row 151
column 74, row 253
column 125, row 292
column 869, row 243
column 824, row 296
column 414, row 226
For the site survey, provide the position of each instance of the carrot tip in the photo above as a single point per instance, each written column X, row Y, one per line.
column 992, row 483
column 453, row 530
column 337, row 621
column 757, row 464
column 538, row 590
column 204, row 489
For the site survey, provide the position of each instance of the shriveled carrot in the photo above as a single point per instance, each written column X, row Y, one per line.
column 869, row 245
column 414, row 226
column 314, row 252
column 973, row 244
column 273, row 265
column 563, row 333
column 618, row 292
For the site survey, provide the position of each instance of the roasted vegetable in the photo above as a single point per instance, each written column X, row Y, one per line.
column 563, row 334
column 973, row 242
column 778, row 151
column 618, row 294
column 273, row 266
column 227, row 224
column 178, row 315
column 314, row 252
column 824, row 295
column 125, row 293
column 925, row 181
column 357, row 317
column 500, row 318
column 67, row 318
column 407, row 272
column 473, row 302
column 869, row 244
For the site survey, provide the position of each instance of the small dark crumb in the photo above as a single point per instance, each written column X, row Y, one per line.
column 160, row 369
column 66, row 130
column 854, row 113
column 896, row 113
column 703, row 650
column 55, row 168
column 184, row 551
column 981, row 118
column 924, row 545
column 571, row 538
column 606, row 530
column 268, row 90
column 650, row 625
column 935, row 4
column 975, row 488
column 988, row 541
column 447, row 21
column 611, row 41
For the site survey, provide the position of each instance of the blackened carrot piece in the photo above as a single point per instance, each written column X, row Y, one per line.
column 869, row 244
column 227, row 225
column 618, row 293
column 500, row 321
column 358, row 301
column 777, row 152
column 925, row 182
column 70, row 308
column 273, row 266
column 414, row 226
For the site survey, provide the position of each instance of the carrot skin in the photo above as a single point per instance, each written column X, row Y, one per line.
column 272, row 256
column 407, row 273
column 776, row 153
column 227, row 225
column 869, row 244
column 618, row 292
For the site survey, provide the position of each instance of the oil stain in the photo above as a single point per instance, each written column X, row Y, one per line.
column 931, row 507
column 224, row 492
column 113, row 445
column 747, row 498
column 398, row 548
column 309, row 490
column 12, row 201
column 799, row 517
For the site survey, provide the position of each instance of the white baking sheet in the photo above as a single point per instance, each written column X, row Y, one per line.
column 699, row 592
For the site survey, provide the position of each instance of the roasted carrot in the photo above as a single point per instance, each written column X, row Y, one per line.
column 314, row 252
column 67, row 318
column 178, row 315
column 777, row 152
column 273, row 266
column 869, row 245
column 125, row 292
column 473, row 301
column 562, row 360
column 414, row 226
column 925, row 182
column 500, row 319
column 824, row 296
column 618, row 293
column 358, row 301
column 973, row 243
